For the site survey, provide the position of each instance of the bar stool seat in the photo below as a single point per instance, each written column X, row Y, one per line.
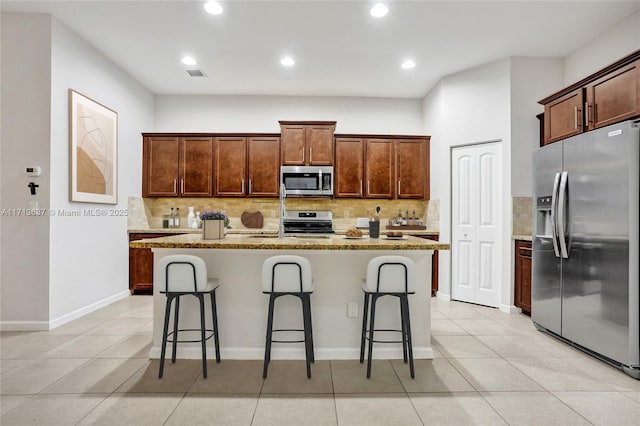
column 388, row 276
column 186, row 275
column 288, row 275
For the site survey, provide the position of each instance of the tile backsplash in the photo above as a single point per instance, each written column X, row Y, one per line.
column 344, row 210
column 522, row 215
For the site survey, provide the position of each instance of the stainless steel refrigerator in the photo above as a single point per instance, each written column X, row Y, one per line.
column 585, row 243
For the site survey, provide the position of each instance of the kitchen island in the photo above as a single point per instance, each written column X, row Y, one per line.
column 338, row 266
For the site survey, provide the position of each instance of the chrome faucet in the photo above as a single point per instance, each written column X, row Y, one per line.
column 283, row 211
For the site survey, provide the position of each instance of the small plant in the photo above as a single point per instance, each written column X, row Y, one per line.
column 215, row 215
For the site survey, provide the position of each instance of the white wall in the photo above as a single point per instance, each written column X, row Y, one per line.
column 531, row 80
column 261, row 113
column 469, row 107
column 604, row 49
column 89, row 255
column 25, row 99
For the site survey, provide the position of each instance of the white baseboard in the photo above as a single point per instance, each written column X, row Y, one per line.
column 61, row 320
column 443, row 296
column 510, row 309
column 195, row 352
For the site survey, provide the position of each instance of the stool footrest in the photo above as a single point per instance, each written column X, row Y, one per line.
column 207, row 330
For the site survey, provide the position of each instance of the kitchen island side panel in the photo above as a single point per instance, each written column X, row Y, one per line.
column 337, row 275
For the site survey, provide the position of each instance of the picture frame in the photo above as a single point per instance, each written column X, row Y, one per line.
column 93, row 151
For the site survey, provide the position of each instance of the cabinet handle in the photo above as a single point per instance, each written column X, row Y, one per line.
column 586, row 113
column 361, row 189
column 182, row 185
column 304, row 152
column 242, row 190
column 575, row 118
column 310, row 154
column 249, row 185
column 175, row 185
column 368, row 187
column 398, row 186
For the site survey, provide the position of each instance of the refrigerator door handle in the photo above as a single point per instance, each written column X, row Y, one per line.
column 562, row 198
column 554, row 204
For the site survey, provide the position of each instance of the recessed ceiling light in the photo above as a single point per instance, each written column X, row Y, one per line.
column 408, row 64
column 287, row 61
column 188, row 60
column 213, row 7
column 379, row 10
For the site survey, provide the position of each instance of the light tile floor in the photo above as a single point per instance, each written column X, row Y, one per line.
column 490, row 368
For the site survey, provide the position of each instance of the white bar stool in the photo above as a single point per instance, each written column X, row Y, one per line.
column 288, row 275
column 186, row 275
column 388, row 276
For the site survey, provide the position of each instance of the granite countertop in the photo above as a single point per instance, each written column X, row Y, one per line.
column 263, row 231
column 306, row 242
column 522, row 237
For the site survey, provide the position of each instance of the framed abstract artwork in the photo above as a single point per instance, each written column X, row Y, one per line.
column 93, row 139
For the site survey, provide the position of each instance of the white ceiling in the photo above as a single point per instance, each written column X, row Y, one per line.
column 340, row 50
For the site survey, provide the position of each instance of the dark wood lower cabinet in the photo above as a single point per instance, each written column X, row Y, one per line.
column 434, row 263
column 141, row 265
column 522, row 282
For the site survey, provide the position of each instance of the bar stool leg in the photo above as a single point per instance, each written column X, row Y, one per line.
column 404, row 330
column 374, row 299
column 214, row 318
column 163, row 350
column 409, row 342
column 308, row 301
column 203, row 335
column 363, row 339
column 307, row 334
column 267, row 349
column 175, row 330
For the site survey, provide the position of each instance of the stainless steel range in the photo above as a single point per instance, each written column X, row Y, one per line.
column 308, row 222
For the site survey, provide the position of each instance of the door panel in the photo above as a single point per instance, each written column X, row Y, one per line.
column 615, row 97
column 196, row 167
column 231, row 166
column 546, row 275
column 161, row 166
column 319, row 140
column 476, row 223
column 563, row 117
column 596, row 294
column 264, row 167
column 349, row 167
column 379, row 168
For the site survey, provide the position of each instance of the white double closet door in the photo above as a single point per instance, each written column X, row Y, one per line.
column 476, row 179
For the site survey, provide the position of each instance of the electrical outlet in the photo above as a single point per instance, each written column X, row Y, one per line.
column 345, row 213
column 352, row 310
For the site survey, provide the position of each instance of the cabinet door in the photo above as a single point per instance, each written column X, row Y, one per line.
column 522, row 296
column 264, row 167
column 293, row 145
column 160, row 166
column 319, row 142
column 563, row 117
column 379, row 176
column 231, row 167
column 141, row 264
column 411, row 168
column 614, row 97
column 349, row 168
column 196, row 167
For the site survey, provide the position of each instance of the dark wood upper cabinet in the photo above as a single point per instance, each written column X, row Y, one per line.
column 349, row 167
column 231, row 166
column 196, row 167
column 614, row 97
column 160, row 166
column 563, row 117
column 174, row 166
column 412, row 168
column 379, row 170
column 307, row 143
column 264, row 167
column 605, row 97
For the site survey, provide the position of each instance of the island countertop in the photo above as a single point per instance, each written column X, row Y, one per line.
column 304, row 242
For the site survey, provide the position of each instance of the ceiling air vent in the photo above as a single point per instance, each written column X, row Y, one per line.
column 197, row 73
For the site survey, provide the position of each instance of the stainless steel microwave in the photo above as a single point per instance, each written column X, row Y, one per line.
column 310, row 181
